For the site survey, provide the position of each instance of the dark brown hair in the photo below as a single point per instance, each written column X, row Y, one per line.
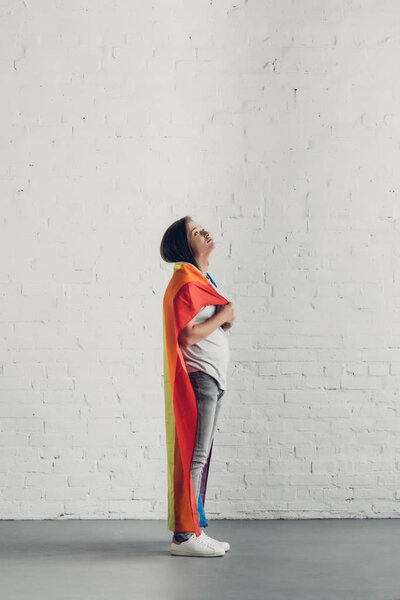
column 175, row 245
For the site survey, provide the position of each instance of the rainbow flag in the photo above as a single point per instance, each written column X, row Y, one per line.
column 187, row 292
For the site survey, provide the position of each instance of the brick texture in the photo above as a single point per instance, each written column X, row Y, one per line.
column 275, row 125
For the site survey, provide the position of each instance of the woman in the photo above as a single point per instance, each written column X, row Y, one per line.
column 196, row 355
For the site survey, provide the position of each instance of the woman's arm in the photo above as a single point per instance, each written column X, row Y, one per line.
column 191, row 334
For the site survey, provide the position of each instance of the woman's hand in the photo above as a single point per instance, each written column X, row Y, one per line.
column 230, row 315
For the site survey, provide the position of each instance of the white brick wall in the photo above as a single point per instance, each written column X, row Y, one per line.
column 276, row 125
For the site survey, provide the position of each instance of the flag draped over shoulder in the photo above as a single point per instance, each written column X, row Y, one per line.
column 187, row 292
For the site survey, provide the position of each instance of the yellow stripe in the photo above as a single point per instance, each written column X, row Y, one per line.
column 170, row 436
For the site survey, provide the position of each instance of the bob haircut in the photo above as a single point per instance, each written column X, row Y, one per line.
column 174, row 245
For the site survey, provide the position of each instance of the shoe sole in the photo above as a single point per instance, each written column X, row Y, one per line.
column 191, row 553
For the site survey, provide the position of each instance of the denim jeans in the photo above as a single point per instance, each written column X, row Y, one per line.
column 208, row 397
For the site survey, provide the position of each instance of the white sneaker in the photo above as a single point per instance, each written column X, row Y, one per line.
column 215, row 542
column 196, row 546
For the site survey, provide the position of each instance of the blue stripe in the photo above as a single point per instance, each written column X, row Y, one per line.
column 211, row 279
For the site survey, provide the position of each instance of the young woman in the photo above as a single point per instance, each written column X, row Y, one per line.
column 202, row 343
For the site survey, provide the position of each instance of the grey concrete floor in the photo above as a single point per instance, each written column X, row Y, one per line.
column 271, row 559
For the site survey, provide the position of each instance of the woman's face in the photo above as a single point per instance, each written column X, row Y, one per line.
column 200, row 241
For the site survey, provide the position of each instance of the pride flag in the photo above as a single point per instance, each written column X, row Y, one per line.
column 187, row 292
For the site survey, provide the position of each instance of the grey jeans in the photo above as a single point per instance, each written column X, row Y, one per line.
column 208, row 397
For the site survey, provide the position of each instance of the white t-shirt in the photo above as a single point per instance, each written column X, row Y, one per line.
column 211, row 354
